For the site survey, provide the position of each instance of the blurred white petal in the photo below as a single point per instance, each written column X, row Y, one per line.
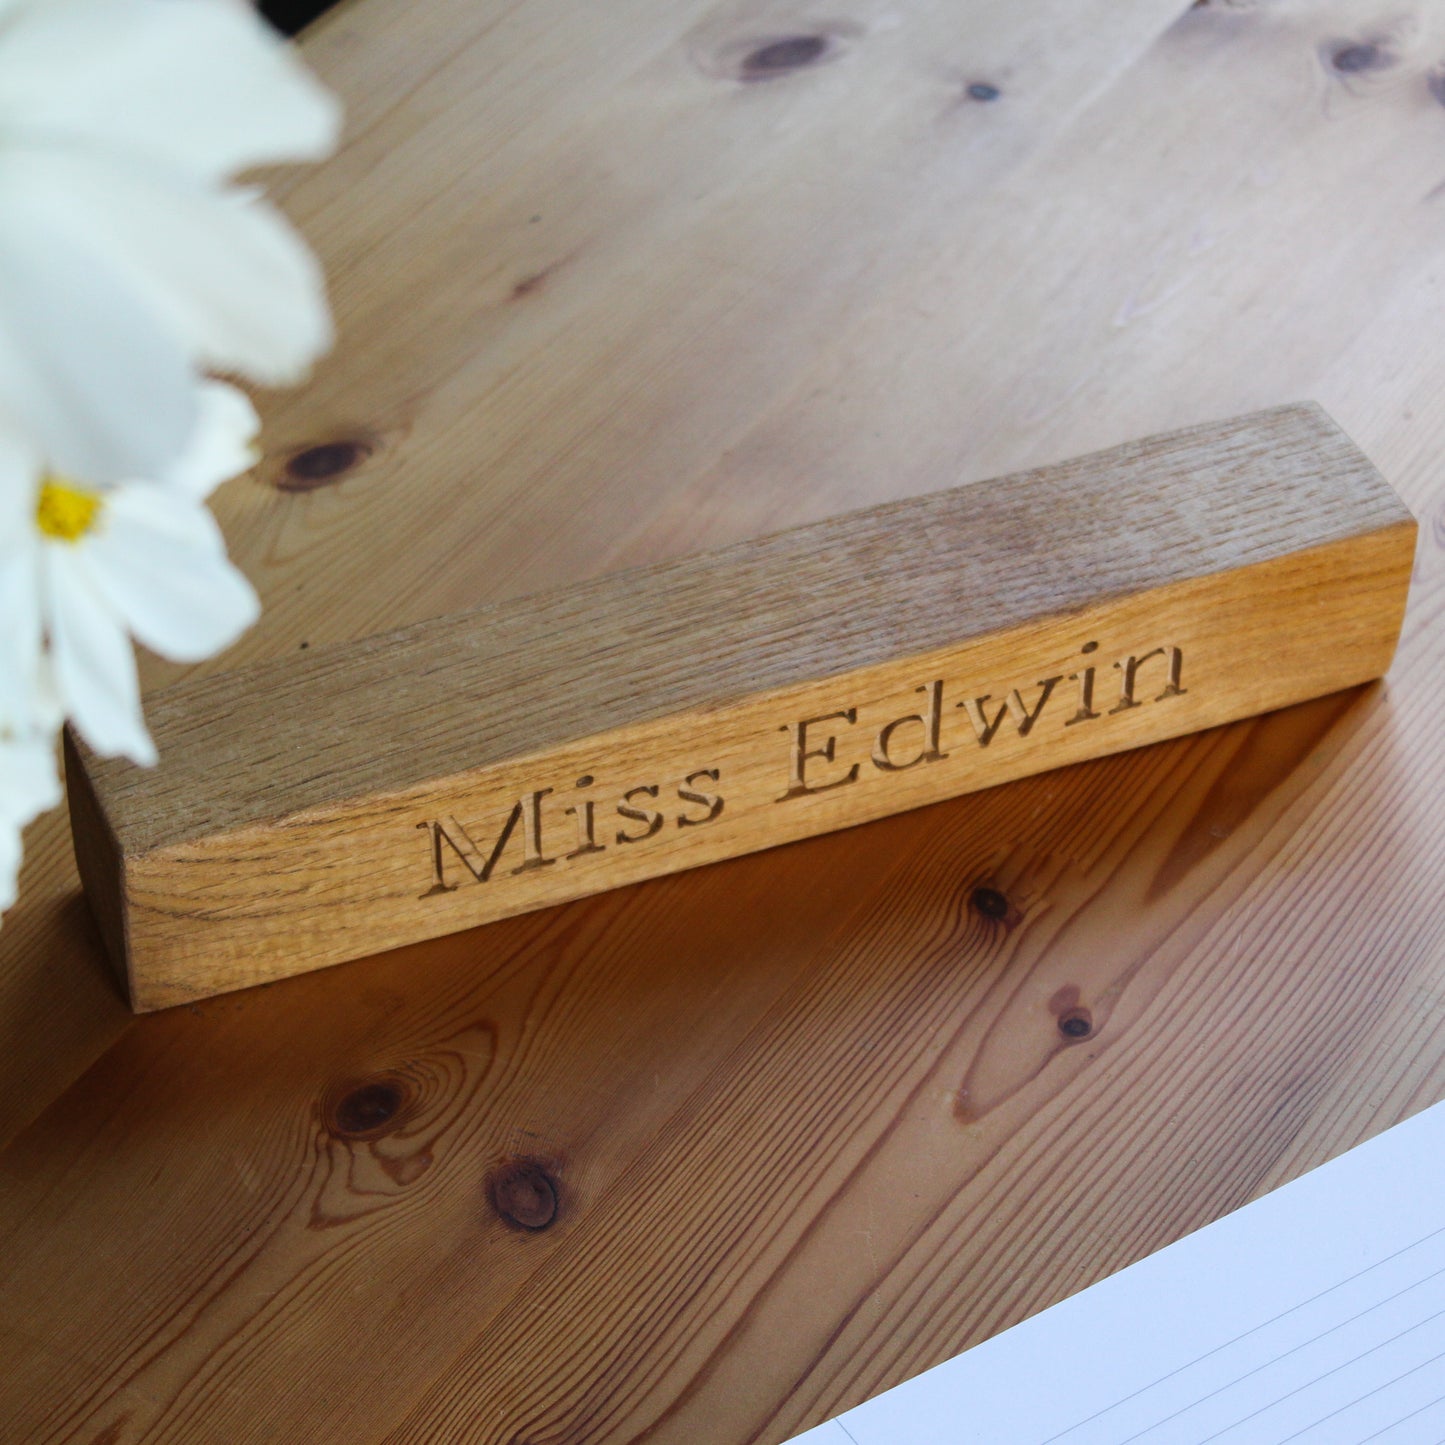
column 9, row 862
column 205, row 86
column 126, row 265
column 225, row 272
column 19, row 479
column 92, row 659
column 28, row 786
column 26, row 704
column 160, row 563
column 89, row 365
column 222, row 444
column 86, row 570
column 24, row 701
column 28, row 780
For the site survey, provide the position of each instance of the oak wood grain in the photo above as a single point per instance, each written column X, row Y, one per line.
column 808, row 1120
column 556, row 746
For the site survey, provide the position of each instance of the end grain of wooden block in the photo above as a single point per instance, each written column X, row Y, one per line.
column 412, row 784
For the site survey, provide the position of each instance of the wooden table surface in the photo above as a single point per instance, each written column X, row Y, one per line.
column 712, row 1158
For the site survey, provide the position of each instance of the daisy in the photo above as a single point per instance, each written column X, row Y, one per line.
column 84, row 569
column 126, row 261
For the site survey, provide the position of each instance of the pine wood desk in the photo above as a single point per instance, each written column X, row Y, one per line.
column 714, row 1157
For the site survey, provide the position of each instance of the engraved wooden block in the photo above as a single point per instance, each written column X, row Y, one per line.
column 324, row 807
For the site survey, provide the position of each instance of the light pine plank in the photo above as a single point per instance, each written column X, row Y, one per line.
column 460, row 117
column 1251, row 917
column 537, row 389
column 1145, row 267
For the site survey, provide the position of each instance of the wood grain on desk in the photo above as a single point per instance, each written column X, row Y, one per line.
column 714, row 1157
column 325, row 806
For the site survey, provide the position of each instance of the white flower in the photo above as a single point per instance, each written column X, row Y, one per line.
column 28, row 786
column 27, row 699
column 29, row 717
column 85, row 569
column 125, row 261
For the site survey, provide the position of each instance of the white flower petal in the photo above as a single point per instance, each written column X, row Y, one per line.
column 24, row 701
column 87, row 365
column 10, row 855
column 223, row 270
column 222, row 444
column 28, row 780
column 27, row 700
column 205, row 86
column 19, row 491
column 28, row 786
column 92, row 659
column 160, row 563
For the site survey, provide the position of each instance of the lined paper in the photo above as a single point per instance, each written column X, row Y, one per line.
column 1314, row 1316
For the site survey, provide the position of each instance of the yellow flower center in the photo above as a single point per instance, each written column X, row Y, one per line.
column 65, row 511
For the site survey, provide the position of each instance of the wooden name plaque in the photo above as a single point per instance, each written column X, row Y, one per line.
column 377, row 793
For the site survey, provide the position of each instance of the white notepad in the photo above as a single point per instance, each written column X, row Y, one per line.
column 1315, row 1315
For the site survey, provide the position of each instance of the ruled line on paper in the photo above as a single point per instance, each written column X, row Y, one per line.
column 1221, row 1390
column 1063, row 1434
column 1314, row 1315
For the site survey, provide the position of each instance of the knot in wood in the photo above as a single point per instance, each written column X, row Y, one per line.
column 1357, row 58
column 317, row 466
column 778, row 57
column 524, row 1194
column 1077, row 1023
column 989, row 902
column 369, row 1109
